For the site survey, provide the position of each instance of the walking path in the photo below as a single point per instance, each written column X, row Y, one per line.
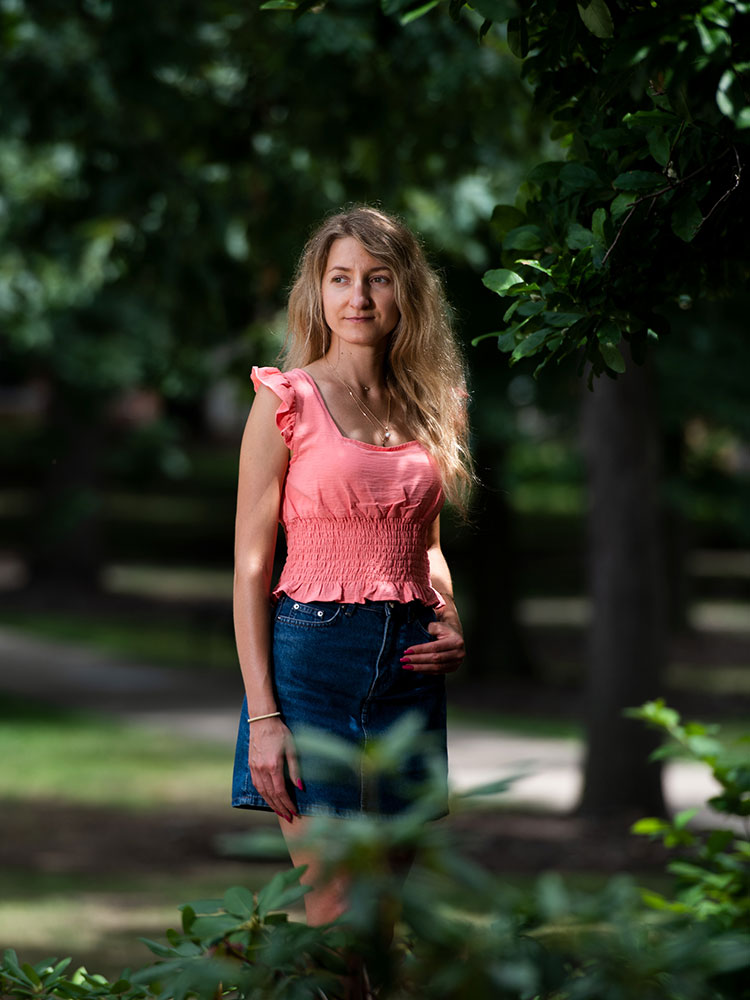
column 206, row 706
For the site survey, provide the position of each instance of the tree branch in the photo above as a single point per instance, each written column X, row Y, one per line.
column 732, row 189
column 653, row 195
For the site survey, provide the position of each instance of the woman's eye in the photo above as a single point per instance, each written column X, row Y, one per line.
column 381, row 279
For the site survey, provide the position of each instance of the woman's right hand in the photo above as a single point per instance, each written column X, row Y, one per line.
column 271, row 748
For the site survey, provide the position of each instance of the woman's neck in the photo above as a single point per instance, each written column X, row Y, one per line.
column 363, row 368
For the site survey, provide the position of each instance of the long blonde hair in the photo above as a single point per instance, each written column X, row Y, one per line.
column 426, row 370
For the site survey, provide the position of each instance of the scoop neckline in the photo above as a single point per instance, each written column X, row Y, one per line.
column 340, row 433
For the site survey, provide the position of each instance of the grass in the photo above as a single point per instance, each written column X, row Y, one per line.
column 521, row 725
column 50, row 754
column 99, row 922
column 167, row 644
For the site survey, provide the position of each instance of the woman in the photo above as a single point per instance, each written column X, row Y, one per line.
column 353, row 449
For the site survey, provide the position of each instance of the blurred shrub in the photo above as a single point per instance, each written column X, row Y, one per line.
column 460, row 932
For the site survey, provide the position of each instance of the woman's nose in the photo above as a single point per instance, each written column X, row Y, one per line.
column 360, row 293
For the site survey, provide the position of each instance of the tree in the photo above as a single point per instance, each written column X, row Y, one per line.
column 651, row 102
column 161, row 168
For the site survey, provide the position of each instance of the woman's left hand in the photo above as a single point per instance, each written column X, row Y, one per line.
column 441, row 656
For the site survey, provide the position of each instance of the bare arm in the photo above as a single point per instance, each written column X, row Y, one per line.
column 446, row 652
column 263, row 462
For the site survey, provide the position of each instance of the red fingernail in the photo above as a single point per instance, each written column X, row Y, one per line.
column 299, row 784
column 405, row 659
column 407, row 666
column 407, row 651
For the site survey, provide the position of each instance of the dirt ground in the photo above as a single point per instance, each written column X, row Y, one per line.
column 67, row 839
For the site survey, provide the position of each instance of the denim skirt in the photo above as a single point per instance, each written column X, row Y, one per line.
column 339, row 687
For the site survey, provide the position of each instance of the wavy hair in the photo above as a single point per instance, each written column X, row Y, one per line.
column 425, row 367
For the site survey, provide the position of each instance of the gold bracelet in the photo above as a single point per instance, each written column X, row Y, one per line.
column 257, row 718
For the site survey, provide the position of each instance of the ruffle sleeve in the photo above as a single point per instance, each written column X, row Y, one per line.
column 279, row 384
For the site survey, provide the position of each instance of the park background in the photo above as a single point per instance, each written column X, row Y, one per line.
column 161, row 169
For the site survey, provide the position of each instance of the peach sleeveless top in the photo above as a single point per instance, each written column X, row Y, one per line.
column 356, row 515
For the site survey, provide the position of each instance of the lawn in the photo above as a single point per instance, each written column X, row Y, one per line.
column 51, row 755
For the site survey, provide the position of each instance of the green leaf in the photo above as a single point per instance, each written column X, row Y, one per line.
column 650, row 826
column 638, row 180
column 612, row 357
column 578, row 177
column 524, row 238
column 202, row 906
column 511, row 309
column 531, row 307
column 547, row 171
column 506, row 341
column 279, row 5
column 491, row 788
column 731, row 99
column 561, row 320
column 501, row 280
column 578, row 237
column 31, row 974
column 612, row 138
column 485, row 336
column 711, row 36
column 535, row 264
column 682, row 818
column 496, row 10
column 597, row 18
column 518, row 37
column 598, row 222
column 609, row 331
column 658, row 902
column 504, row 218
column 157, row 947
column 659, row 146
column 686, row 219
column 644, row 119
column 413, row 15
column 531, row 344
column 283, row 889
column 215, row 926
column 239, row 901
column 622, row 203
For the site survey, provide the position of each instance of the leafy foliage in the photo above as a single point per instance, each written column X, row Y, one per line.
column 713, row 869
column 652, row 104
column 645, row 209
column 461, row 933
column 160, row 170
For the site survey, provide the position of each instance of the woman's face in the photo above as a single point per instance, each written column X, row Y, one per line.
column 359, row 296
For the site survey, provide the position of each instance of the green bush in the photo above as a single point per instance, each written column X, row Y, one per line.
column 713, row 869
column 460, row 932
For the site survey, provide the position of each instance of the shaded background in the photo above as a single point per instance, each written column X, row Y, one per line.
column 160, row 170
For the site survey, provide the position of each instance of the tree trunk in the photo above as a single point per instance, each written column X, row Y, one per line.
column 626, row 579
column 66, row 543
column 494, row 636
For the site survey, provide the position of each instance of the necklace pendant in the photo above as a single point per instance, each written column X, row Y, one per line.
column 386, row 436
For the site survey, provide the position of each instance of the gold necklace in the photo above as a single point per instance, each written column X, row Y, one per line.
column 364, row 409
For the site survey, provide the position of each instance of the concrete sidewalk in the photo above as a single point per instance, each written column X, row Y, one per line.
column 206, row 706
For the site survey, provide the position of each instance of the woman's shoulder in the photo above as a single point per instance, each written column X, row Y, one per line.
column 286, row 386
column 276, row 379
